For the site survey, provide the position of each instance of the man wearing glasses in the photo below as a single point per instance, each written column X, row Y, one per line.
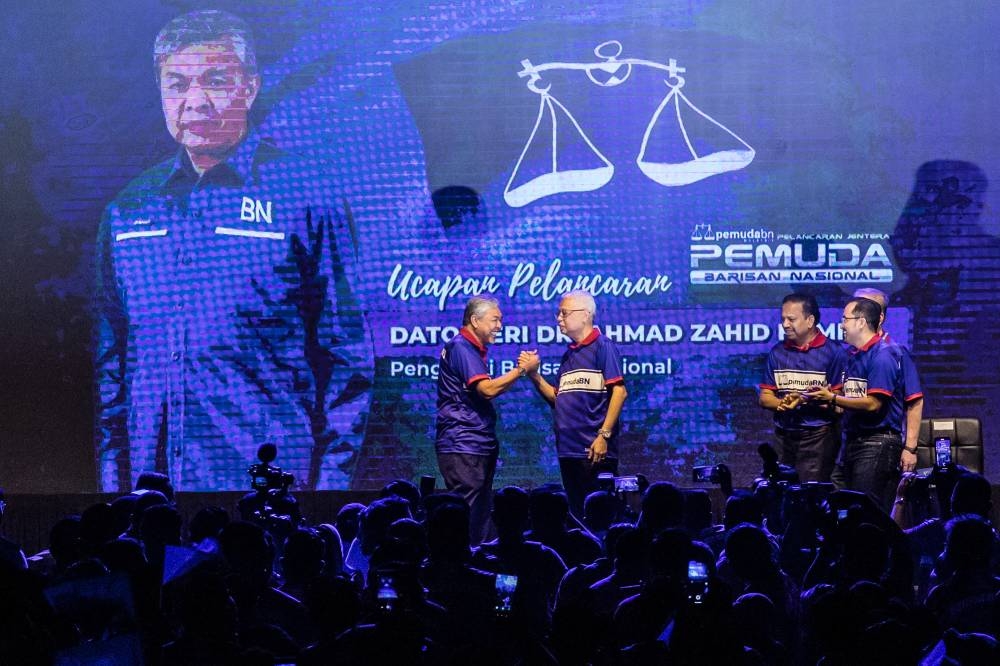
column 911, row 385
column 872, row 402
column 805, row 432
column 587, row 399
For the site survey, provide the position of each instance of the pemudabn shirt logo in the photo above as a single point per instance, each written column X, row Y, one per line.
column 582, row 380
column 799, row 380
column 855, row 387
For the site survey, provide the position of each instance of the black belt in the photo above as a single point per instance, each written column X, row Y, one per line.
column 871, row 433
column 779, row 429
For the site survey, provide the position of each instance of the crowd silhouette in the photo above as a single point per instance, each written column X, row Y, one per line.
column 793, row 574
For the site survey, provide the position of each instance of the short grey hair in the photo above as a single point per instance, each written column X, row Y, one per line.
column 201, row 27
column 589, row 304
column 477, row 307
column 873, row 294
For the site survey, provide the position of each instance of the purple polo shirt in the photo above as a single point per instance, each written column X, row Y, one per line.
column 875, row 369
column 911, row 378
column 792, row 368
column 466, row 421
column 587, row 371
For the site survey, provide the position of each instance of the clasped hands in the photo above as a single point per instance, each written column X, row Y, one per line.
column 795, row 399
column 790, row 401
column 529, row 360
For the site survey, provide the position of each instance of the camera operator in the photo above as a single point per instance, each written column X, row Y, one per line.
column 269, row 504
column 769, row 488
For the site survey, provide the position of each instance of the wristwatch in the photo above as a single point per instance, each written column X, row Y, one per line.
column 605, row 433
column 522, row 372
column 909, row 450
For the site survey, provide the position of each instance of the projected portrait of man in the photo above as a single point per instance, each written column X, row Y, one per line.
column 226, row 313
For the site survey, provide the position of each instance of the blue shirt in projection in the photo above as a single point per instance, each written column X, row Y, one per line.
column 875, row 369
column 793, row 368
column 587, row 371
column 466, row 421
column 226, row 320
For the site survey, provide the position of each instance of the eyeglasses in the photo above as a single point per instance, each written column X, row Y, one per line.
column 566, row 313
column 846, row 318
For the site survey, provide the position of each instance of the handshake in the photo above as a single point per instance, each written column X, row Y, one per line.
column 528, row 362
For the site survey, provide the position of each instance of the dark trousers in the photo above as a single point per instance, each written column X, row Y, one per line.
column 471, row 476
column 811, row 451
column 579, row 479
column 871, row 465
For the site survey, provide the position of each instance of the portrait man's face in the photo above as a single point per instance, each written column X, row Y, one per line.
column 206, row 96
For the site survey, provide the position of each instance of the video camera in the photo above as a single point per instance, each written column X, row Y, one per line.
column 265, row 476
column 270, row 505
column 778, row 490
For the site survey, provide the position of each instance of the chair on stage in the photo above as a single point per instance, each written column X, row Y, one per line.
column 966, row 437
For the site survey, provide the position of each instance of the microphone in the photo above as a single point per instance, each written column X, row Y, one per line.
column 267, row 452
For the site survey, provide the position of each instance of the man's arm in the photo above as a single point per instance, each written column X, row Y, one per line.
column 768, row 387
column 541, row 385
column 769, row 399
column 527, row 362
column 491, row 388
column 598, row 450
column 618, row 395
column 914, row 406
column 914, row 414
column 871, row 402
column 900, row 515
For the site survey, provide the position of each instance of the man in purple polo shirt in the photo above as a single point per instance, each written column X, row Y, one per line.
column 872, row 403
column 913, row 394
column 466, row 442
column 805, row 433
column 587, row 399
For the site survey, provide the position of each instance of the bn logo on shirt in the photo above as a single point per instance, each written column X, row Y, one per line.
column 255, row 210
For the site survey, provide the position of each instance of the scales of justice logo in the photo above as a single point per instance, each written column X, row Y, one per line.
column 676, row 120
